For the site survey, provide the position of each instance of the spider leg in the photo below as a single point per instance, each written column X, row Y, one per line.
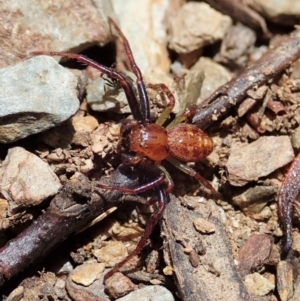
column 205, row 185
column 126, row 85
column 145, row 108
column 162, row 200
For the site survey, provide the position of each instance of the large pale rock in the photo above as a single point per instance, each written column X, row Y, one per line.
column 146, row 34
column 62, row 25
column 35, row 95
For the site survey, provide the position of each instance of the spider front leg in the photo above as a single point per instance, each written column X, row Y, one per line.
column 162, row 201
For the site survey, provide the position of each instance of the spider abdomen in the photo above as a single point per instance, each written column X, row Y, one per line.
column 187, row 143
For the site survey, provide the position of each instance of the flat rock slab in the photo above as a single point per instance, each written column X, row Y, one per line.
column 35, row 95
column 62, row 25
column 258, row 159
column 26, row 180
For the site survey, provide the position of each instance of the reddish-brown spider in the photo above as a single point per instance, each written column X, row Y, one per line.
column 145, row 144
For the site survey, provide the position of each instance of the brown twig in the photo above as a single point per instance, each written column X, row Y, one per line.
column 77, row 203
column 232, row 93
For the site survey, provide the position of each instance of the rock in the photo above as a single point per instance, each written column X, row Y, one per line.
column 250, row 162
column 284, row 275
column 16, row 295
column 83, row 126
column 233, row 52
column 255, row 252
column 264, row 215
column 93, row 292
column 101, row 97
column 58, row 26
column 192, row 90
column 87, row 273
column 35, row 95
column 119, row 285
column 104, row 137
column 258, row 285
column 60, row 289
column 146, row 35
column 204, row 226
column 26, row 180
column 283, row 12
column 296, row 241
column 62, row 267
column 111, row 254
column 149, row 293
column 215, row 75
column 254, row 199
column 196, row 25
column 296, row 138
column 3, row 208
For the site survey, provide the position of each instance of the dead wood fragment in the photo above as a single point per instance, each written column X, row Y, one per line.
column 216, row 277
column 232, row 93
column 76, row 204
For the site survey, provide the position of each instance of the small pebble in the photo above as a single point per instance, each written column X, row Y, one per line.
column 204, row 226
column 3, row 208
column 258, row 285
column 119, row 285
column 296, row 138
column 149, row 293
column 285, row 280
column 87, row 273
column 215, row 75
column 102, row 98
column 253, row 200
column 60, row 288
column 296, row 241
column 168, row 270
column 255, row 252
column 25, row 179
column 111, row 254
